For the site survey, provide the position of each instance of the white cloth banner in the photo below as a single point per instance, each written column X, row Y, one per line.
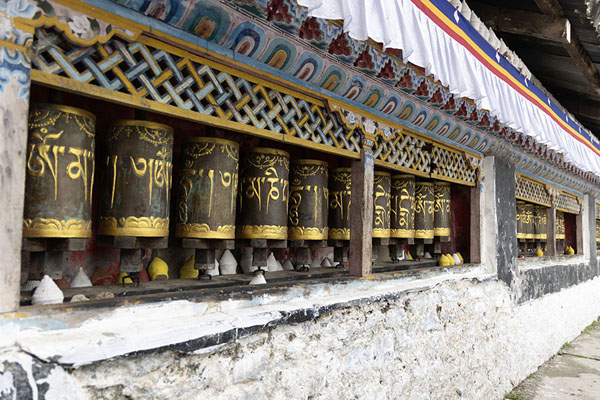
column 400, row 24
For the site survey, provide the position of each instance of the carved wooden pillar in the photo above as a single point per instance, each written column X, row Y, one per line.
column 361, row 212
column 551, row 228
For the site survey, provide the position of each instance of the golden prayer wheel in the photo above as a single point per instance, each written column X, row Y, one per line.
column 263, row 196
column 403, row 206
column 309, row 197
column 137, row 180
column 60, row 172
column 441, row 209
column 528, row 221
column 206, row 203
column 521, row 220
column 540, row 223
column 597, row 231
column 560, row 225
column 382, row 186
column 339, row 204
column 424, row 200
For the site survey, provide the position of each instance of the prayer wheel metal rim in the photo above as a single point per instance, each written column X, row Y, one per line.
column 207, row 139
column 306, row 161
column 382, row 173
column 269, row 150
column 405, row 176
column 147, row 124
column 341, row 169
column 67, row 109
column 424, row 183
column 441, row 183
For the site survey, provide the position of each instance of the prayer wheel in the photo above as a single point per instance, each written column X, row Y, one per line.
column 137, row 180
column 206, row 203
column 309, row 197
column 540, row 223
column 521, row 220
column 60, row 172
column 424, row 200
column 441, row 209
column 403, row 206
column 264, row 195
column 339, row 204
column 382, row 186
column 597, row 231
column 529, row 229
column 560, row 225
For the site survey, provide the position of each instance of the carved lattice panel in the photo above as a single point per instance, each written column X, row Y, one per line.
column 152, row 71
column 530, row 190
column 451, row 165
column 404, row 151
column 568, row 203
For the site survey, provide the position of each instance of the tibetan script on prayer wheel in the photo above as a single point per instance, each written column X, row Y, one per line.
column 528, row 221
column 424, row 200
column 382, row 185
column 137, row 180
column 441, row 209
column 560, row 225
column 539, row 223
column 264, row 195
column 207, row 190
column 521, row 220
column 339, row 204
column 60, row 172
column 403, row 206
column 308, row 206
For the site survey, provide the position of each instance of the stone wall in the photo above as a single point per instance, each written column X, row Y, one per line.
column 461, row 338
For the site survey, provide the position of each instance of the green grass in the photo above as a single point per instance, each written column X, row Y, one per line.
column 566, row 346
column 591, row 326
column 512, row 396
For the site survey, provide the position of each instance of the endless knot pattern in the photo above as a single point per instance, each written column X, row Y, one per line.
column 150, row 73
column 452, row 165
column 535, row 192
column 404, row 151
column 568, row 203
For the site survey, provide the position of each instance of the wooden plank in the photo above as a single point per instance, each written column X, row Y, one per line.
column 361, row 215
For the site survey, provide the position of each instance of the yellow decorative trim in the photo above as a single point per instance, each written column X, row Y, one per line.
column 13, row 46
column 339, row 233
column 70, row 110
column 134, row 226
column 424, row 234
column 521, row 236
column 267, row 150
column 262, row 232
column 310, row 162
column 540, row 236
column 402, row 233
column 307, row 233
column 381, row 233
column 560, row 236
column 403, row 176
column 145, row 124
column 382, row 173
column 53, row 228
column 454, row 180
column 203, row 231
column 211, row 140
column 441, row 231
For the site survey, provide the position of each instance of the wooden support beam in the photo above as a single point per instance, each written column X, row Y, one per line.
column 548, row 26
column 361, row 214
column 475, row 220
column 550, row 7
column 551, row 230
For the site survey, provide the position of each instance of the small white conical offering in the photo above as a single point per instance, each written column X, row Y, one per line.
column 80, row 279
column 30, row 285
column 456, row 259
column 315, row 263
column 228, row 264
column 427, row 255
column 326, row 263
column 279, row 266
column 271, row 263
column 246, row 261
column 215, row 270
column 287, row 265
column 259, row 279
column 47, row 293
